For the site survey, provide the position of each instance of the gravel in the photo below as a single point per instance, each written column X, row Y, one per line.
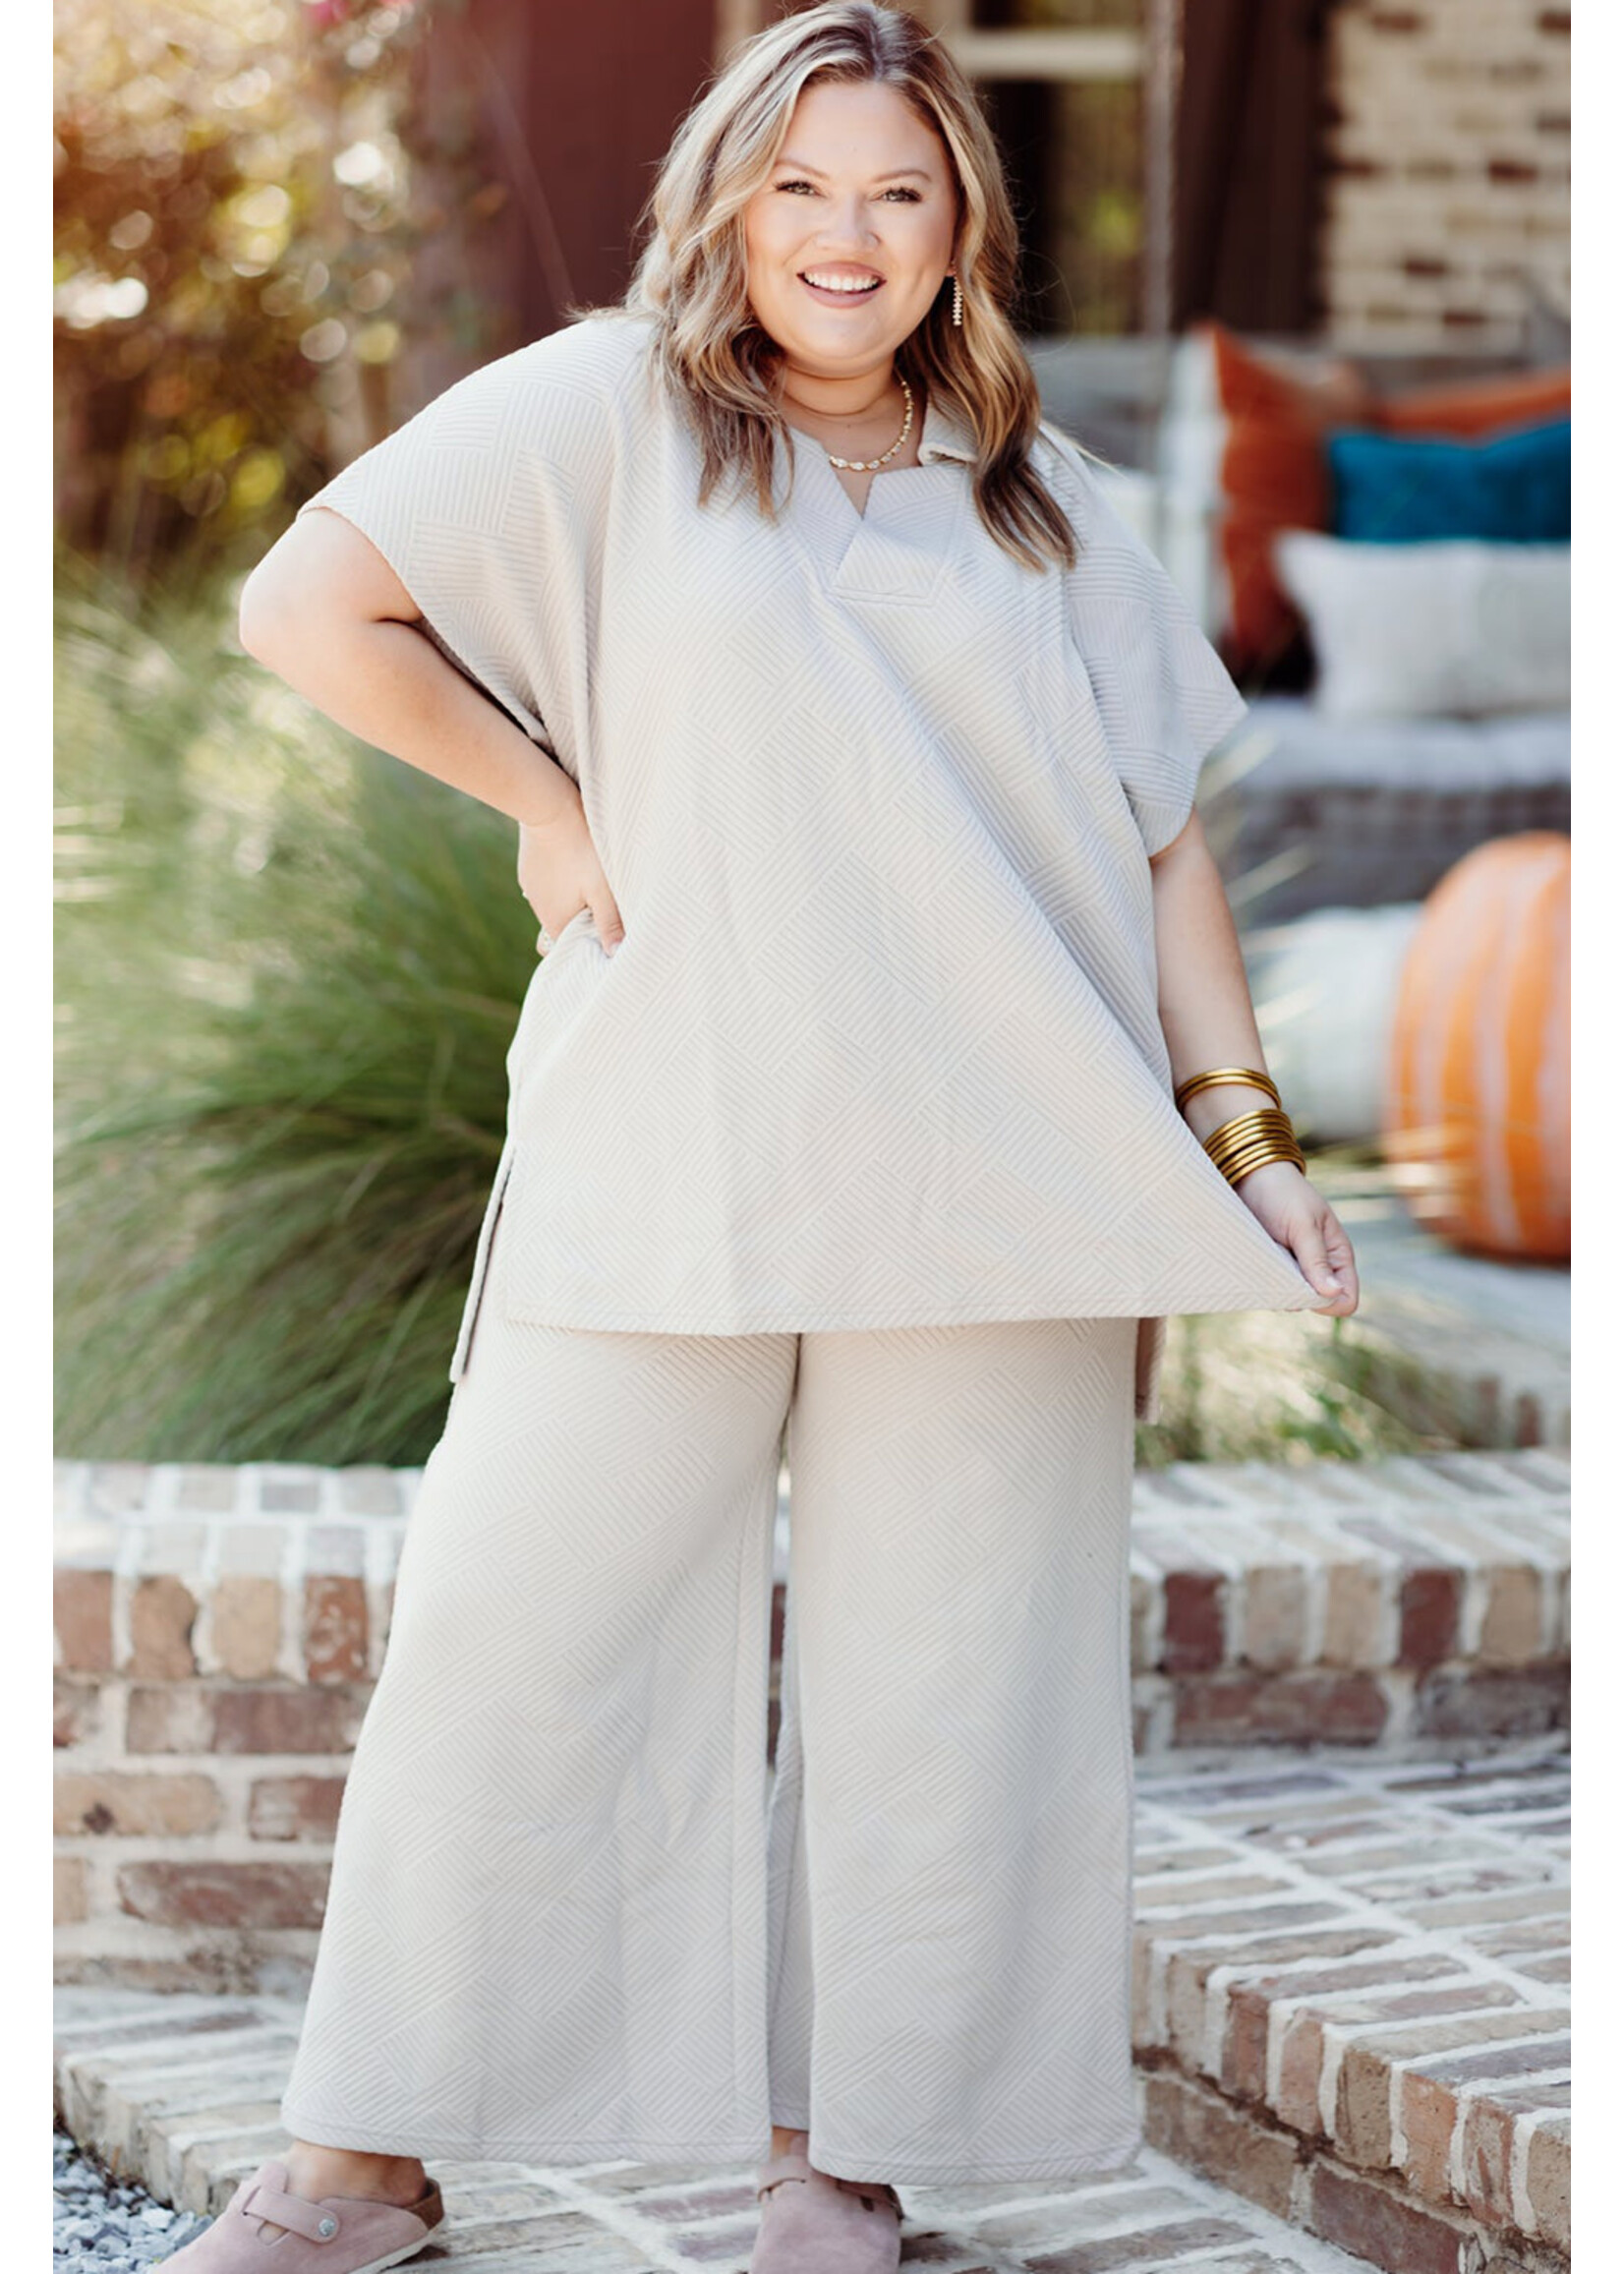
column 111, row 2224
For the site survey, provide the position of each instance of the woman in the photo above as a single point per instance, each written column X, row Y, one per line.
column 852, row 741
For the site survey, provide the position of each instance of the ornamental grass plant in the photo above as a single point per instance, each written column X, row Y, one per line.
column 288, row 972
column 288, row 969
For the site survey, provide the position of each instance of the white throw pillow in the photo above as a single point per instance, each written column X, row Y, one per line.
column 1460, row 627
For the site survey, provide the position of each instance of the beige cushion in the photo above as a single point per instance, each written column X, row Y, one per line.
column 1460, row 627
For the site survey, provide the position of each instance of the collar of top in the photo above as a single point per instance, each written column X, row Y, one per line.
column 944, row 435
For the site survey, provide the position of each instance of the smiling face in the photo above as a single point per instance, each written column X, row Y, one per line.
column 847, row 242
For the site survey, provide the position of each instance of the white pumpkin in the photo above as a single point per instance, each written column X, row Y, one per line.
column 1325, row 988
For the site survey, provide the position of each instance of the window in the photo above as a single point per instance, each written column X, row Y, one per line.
column 1062, row 85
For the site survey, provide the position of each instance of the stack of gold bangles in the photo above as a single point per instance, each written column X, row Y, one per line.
column 1246, row 1142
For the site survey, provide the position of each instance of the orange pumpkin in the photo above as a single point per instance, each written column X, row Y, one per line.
column 1476, row 1116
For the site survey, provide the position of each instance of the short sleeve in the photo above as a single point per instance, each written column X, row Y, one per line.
column 488, row 505
column 1164, row 697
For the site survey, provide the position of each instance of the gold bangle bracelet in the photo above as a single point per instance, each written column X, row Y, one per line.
column 1246, row 1125
column 1273, row 1142
column 1245, row 1129
column 1236, row 1147
column 1233, row 1171
column 1246, row 1140
column 1244, row 1166
column 1252, row 1077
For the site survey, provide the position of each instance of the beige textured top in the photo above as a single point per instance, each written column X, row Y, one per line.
column 880, row 1045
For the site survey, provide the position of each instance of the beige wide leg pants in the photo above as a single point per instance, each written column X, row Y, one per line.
column 568, row 1921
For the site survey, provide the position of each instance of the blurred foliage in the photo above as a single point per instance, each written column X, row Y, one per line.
column 1289, row 1387
column 232, row 242
column 288, row 971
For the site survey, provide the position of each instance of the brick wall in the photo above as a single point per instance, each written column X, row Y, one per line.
column 218, row 1631
column 1447, row 171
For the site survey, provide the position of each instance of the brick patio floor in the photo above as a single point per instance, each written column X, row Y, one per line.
column 1352, row 2015
column 151, row 2072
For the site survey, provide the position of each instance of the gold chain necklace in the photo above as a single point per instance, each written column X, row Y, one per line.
column 873, row 465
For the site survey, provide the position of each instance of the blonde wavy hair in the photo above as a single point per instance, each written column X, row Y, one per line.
column 690, row 277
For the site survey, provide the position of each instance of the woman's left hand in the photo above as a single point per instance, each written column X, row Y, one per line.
column 1287, row 1205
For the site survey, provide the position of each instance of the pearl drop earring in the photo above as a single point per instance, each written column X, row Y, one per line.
column 957, row 300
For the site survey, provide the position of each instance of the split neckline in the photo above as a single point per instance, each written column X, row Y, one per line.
column 859, row 513
column 895, row 545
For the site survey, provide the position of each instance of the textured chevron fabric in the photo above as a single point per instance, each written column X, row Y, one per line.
column 880, row 1045
column 568, row 1921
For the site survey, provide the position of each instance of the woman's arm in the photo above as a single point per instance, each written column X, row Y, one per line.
column 326, row 612
column 1209, row 1021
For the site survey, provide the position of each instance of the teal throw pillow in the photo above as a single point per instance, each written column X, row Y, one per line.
column 1514, row 488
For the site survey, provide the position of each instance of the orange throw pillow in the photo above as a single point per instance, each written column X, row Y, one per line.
column 1468, row 407
column 1273, row 476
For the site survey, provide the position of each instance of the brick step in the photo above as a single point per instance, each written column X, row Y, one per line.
column 1350, row 1998
column 182, row 2092
column 1412, row 1601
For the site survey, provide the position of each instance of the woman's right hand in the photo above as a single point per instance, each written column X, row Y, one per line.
column 560, row 874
